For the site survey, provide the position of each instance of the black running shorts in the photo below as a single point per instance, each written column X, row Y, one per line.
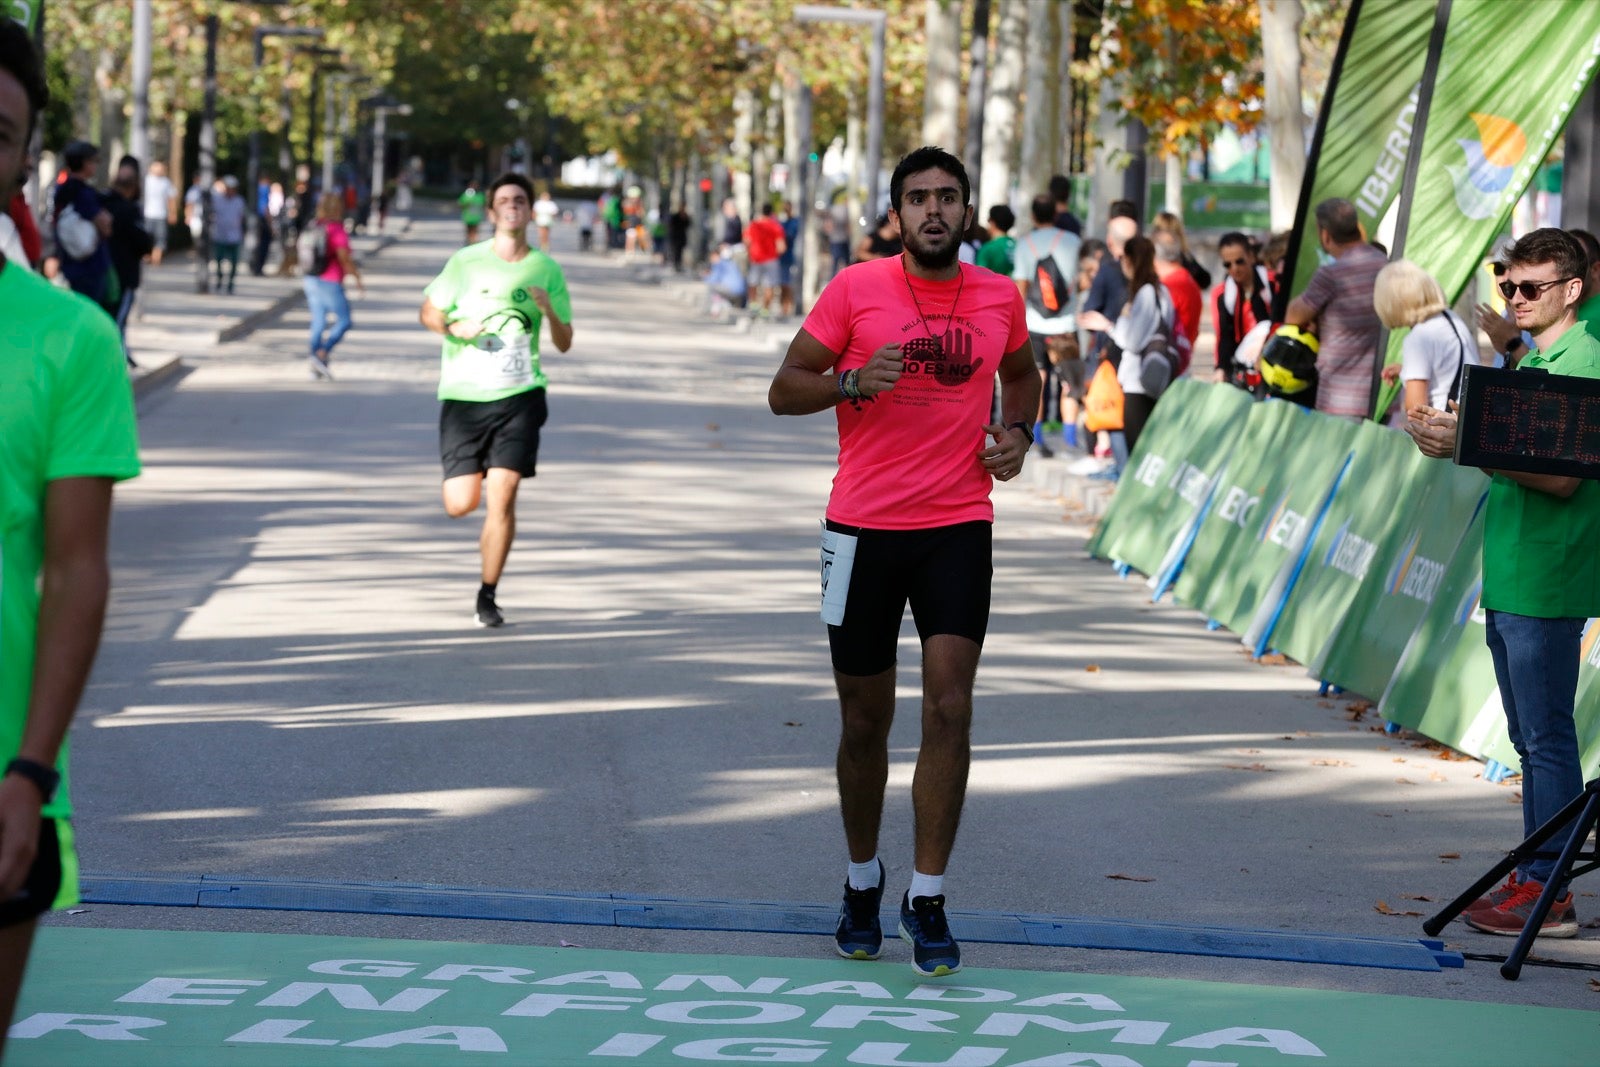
column 944, row 573
column 477, row 435
column 38, row 893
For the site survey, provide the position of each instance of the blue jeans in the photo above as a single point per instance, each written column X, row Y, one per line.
column 326, row 298
column 1536, row 665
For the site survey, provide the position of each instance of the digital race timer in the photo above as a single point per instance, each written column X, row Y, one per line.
column 1529, row 420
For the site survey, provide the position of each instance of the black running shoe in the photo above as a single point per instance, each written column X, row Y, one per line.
column 934, row 952
column 488, row 614
column 860, row 934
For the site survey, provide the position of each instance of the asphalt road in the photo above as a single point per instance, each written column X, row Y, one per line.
column 291, row 685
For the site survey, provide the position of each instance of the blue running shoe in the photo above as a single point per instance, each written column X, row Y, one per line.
column 934, row 953
column 860, row 934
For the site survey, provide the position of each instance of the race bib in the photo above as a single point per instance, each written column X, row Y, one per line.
column 838, row 560
column 494, row 363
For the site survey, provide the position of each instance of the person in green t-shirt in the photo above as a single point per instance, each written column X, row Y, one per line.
column 999, row 251
column 488, row 304
column 66, row 434
column 472, row 202
column 1541, row 579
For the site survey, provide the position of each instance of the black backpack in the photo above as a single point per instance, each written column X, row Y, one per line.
column 1048, row 293
column 311, row 249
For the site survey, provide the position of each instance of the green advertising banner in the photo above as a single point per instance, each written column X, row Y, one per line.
column 1443, row 686
column 1217, row 205
column 1371, row 500
column 1587, row 712
column 23, row 11
column 1170, row 473
column 145, row 998
column 1403, row 578
column 1277, row 481
column 1489, row 128
column 1364, row 131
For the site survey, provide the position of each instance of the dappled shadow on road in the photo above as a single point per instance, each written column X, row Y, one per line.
column 291, row 684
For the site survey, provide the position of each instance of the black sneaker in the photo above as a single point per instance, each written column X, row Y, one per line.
column 934, row 953
column 860, row 934
column 488, row 614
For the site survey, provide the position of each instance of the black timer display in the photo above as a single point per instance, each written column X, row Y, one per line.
column 1529, row 421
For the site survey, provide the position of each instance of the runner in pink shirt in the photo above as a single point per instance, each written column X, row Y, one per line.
column 906, row 350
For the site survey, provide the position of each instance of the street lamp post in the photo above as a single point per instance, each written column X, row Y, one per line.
column 381, row 109
column 253, row 172
column 877, row 20
column 208, row 160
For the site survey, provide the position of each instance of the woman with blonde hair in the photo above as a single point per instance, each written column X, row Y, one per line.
column 324, row 253
column 1167, row 222
column 1438, row 344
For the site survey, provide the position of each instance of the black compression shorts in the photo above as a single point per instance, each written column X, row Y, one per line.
column 477, row 435
column 943, row 572
column 38, row 893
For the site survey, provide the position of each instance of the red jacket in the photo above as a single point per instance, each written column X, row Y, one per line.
column 27, row 229
column 1186, row 297
column 1232, row 326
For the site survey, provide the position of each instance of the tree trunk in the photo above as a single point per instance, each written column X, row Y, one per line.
column 941, row 101
column 1174, row 191
column 1107, row 162
column 855, row 182
column 1063, row 127
column 1280, row 49
column 1000, row 107
column 1039, row 134
column 977, row 88
column 744, row 117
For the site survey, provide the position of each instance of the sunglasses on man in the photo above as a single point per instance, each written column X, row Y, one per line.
column 1529, row 290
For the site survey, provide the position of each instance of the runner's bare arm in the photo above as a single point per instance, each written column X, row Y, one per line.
column 807, row 382
column 434, row 319
column 72, row 606
column 560, row 332
column 1019, row 402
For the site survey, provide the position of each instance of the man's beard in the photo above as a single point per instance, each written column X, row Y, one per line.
column 933, row 256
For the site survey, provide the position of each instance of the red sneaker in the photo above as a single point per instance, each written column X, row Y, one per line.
column 1512, row 914
column 1494, row 898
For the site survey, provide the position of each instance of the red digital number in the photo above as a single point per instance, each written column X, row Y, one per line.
column 1547, row 424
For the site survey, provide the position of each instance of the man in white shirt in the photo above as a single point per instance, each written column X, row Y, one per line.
column 160, row 198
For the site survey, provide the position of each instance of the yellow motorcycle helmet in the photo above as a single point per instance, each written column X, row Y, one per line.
column 1288, row 362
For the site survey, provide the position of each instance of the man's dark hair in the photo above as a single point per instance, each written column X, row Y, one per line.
column 1043, row 209
column 77, row 154
column 1234, row 237
column 1590, row 243
column 511, row 179
column 21, row 59
column 1123, row 209
column 1002, row 217
column 1060, row 188
column 1550, row 245
column 1091, row 246
column 928, row 157
column 1338, row 217
column 766, row 209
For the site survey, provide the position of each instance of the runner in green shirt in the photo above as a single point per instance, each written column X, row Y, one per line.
column 471, row 201
column 1541, row 579
column 67, row 428
column 488, row 304
column 999, row 251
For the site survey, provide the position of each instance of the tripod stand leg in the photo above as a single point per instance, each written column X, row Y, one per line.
column 1589, row 802
column 1442, row 917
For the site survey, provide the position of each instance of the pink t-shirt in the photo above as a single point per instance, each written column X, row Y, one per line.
column 337, row 239
column 908, row 458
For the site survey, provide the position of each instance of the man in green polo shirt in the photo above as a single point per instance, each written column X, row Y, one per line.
column 1541, row 576
column 66, row 434
column 488, row 305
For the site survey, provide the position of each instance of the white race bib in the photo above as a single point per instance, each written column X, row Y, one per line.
column 494, row 363
column 838, row 560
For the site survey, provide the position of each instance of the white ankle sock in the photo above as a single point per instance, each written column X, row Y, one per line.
column 925, row 885
column 864, row 875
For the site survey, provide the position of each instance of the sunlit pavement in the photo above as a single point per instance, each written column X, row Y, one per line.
column 291, row 688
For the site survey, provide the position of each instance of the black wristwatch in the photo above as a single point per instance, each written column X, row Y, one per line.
column 1512, row 345
column 45, row 779
column 1027, row 431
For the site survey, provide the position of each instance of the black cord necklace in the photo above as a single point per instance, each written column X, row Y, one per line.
column 949, row 320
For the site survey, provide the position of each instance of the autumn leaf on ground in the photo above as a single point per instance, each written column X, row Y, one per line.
column 1331, row 763
column 1129, row 878
column 1356, row 713
column 1417, row 896
column 1594, row 984
column 1435, row 776
column 1404, row 781
column 1359, row 706
column 1449, row 855
column 1383, row 908
column 1248, row 751
column 1398, row 759
column 794, row 724
column 712, row 426
column 1274, row 659
column 1093, row 668
column 1324, row 703
column 1247, row 767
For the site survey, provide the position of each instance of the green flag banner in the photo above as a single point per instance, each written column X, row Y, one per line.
column 1444, row 685
column 1587, row 713
column 1364, row 131
column 1489, row 128
column 1383, row 474
column 1277, row 481
column 1402, row 579
column 1170, row 472
column 23, row 11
